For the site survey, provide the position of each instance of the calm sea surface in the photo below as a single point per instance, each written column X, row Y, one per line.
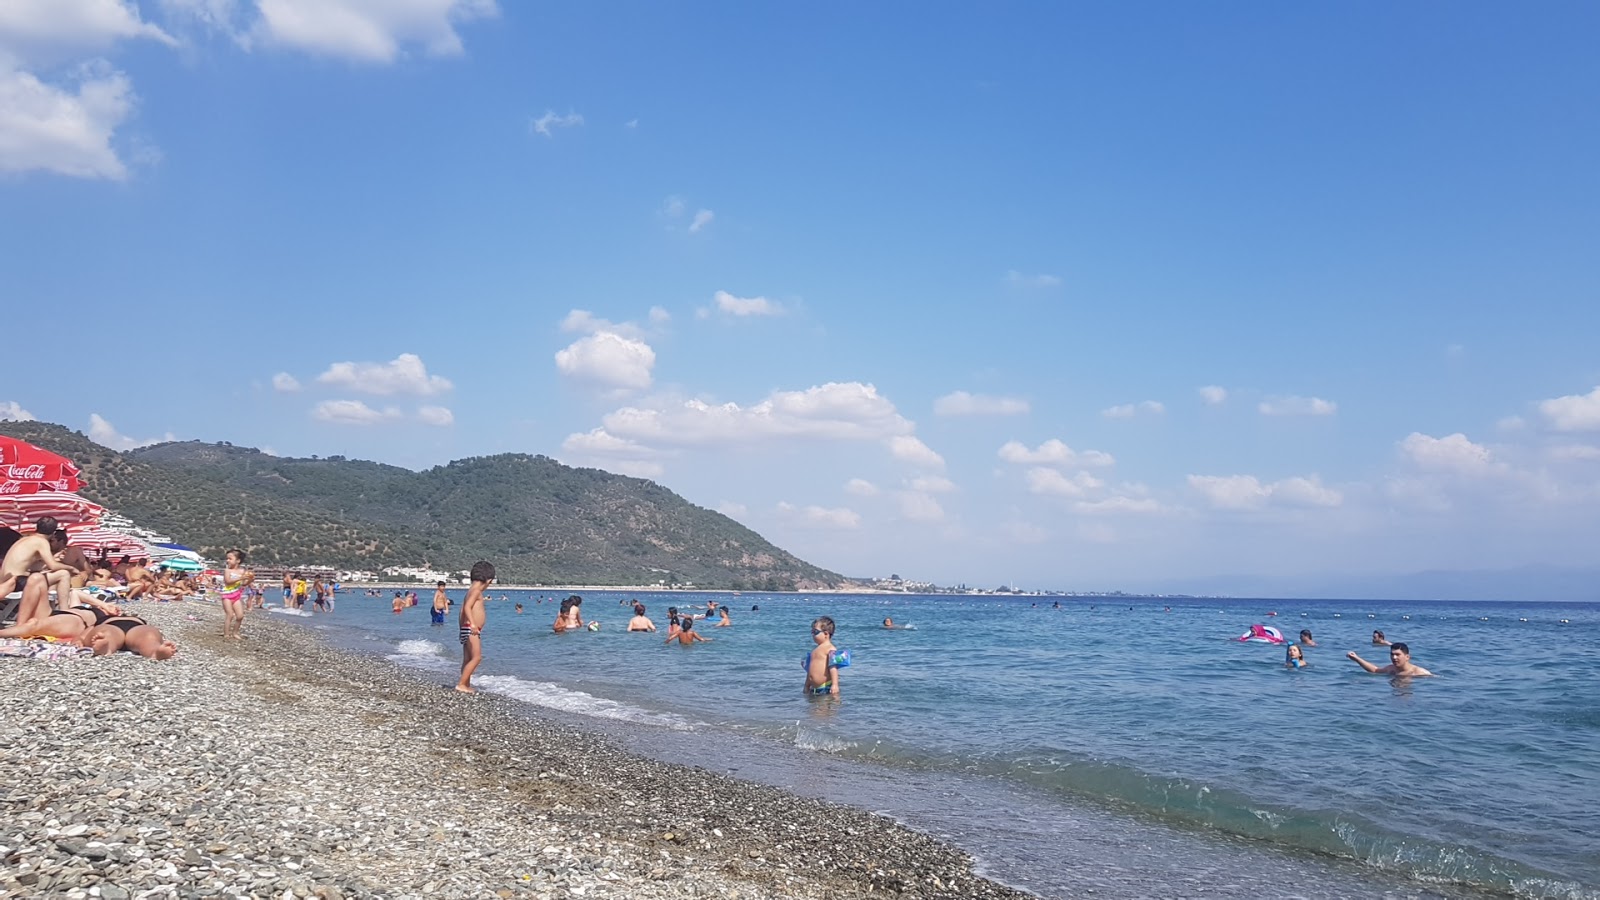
column 1129, row 746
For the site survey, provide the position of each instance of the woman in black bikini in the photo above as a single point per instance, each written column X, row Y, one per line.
column 63, row 625
column 129, row 633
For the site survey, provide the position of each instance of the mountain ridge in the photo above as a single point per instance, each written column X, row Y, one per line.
column 538, row 520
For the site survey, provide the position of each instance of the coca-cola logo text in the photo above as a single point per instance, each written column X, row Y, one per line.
column 34, row 472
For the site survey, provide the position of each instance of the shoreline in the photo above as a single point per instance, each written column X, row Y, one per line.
column 284, row 764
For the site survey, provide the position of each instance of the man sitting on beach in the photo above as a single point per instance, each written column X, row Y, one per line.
column 31, row 566
column 473, row 618
column 1399, row 663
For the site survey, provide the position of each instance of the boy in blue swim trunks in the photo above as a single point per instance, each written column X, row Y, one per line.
column 822, row 672
column 473, row 618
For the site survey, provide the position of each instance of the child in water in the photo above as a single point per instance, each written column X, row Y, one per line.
column 1294, row 658
column 686, row 634
column 822, row 663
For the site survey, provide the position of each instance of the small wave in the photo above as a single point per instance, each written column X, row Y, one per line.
column 552, row 696
column 420, row 648
column 815, row 739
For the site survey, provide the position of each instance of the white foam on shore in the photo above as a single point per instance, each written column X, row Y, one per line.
column 552, row 696
column 420, row 654
column 817, row 739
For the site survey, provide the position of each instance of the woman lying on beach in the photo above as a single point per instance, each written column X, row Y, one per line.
column 63, row 625
column 129, row 633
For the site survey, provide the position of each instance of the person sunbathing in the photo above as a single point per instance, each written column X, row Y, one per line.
column 64, row 625
column 131, row 634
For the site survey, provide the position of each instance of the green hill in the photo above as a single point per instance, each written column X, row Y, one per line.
column 538, row 520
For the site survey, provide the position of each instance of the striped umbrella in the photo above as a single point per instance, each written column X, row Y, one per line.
column 94, row 539
column 68, row 509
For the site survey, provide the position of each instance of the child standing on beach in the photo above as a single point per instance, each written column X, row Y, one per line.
column 473, row 617
column 823, row 662
column 236, row 581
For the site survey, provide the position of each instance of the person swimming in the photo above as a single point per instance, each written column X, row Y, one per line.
column 1294, row 657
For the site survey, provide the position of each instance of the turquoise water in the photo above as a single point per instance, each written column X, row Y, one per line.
column 1485, row 778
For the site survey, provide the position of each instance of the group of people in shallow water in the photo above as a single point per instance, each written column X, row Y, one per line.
column 1400, row 663
column 41, row 564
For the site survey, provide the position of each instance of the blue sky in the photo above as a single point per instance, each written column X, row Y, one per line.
column 1082, row 296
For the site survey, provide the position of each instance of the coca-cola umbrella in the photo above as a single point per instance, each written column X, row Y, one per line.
column 28, row 469
column 67, row 509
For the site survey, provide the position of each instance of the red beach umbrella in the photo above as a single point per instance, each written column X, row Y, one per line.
column 68, row 509
column 28, row 469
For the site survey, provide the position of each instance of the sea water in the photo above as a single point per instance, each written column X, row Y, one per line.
column 1126, row 745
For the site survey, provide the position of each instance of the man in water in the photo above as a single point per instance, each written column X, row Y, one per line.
column 1399, row 663
column 1305, row 638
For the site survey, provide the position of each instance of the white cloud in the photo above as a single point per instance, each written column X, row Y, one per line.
column 702, row 219
column 1248, row 492
column 48, row 30
column 285, row 383
column 961, row 403
column 365, row 30
column 1511, row 423
column 841, row 518
column 1452, row 453
column 1129, row 410
column 1574, row 412
column 437, row 416
column 861, row 487
column 1213, row 395
column 920, row 507
column 659, row 315
column 1053, row 453
column 908, row 448
column 674, row 207
column 106, row 435
column 848, row 411
column 1297, row 406
column 1561, row 452
column 1119, row 504
column 1017, row 279
column 599, row 442
column 581, row 321
column 733, row 510
column 608, row 359
column 65, row 125
column 352, row 412
column 547, row 123
column 1050, row 481
column 1305, row 492
column 405, row 374
column 12, row 411
column 932, row 484
column 63, row 130
column 746, row 306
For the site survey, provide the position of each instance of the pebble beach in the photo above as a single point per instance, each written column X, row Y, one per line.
column 282, row 767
